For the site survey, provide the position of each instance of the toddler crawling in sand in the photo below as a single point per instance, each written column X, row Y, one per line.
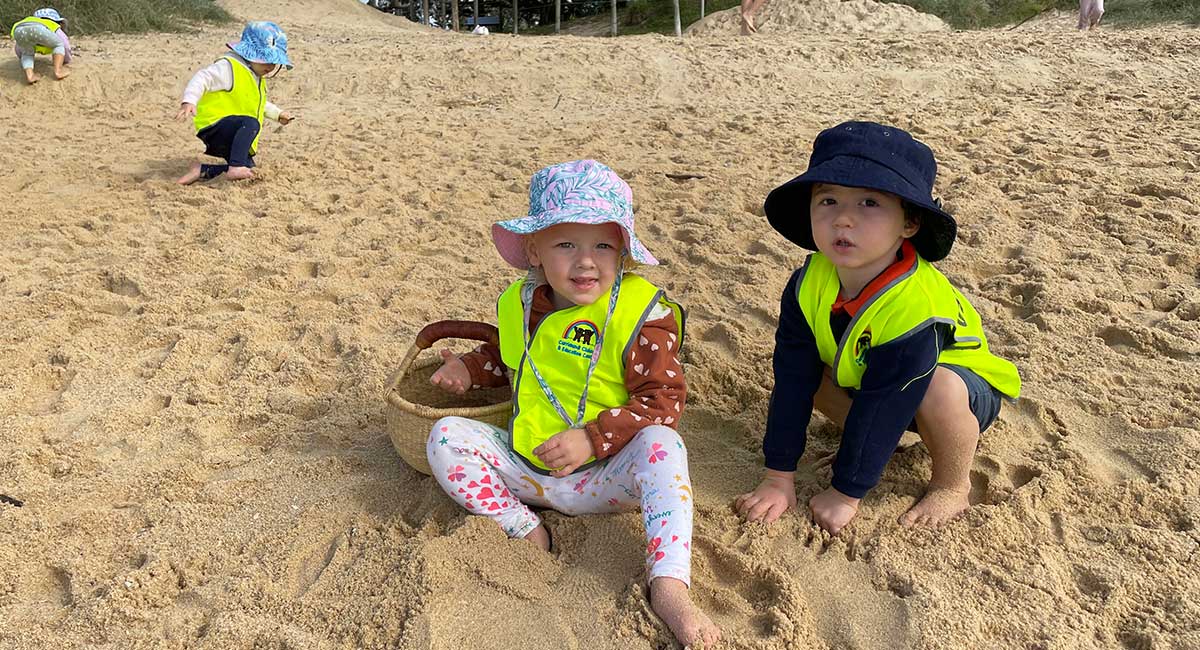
column 597, row 388
column 227, row 102
column 42, row 33
column 871, row 334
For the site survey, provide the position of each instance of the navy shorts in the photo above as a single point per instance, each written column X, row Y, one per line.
column 983, row 399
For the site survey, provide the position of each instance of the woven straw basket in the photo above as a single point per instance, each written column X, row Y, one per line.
column 414, row 404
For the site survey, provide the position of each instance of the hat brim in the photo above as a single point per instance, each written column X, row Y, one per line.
column 510, row 236
column 247, row 52
column 787, row 206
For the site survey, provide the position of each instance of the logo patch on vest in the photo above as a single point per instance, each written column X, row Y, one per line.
column 579, row 339
column 862, row 346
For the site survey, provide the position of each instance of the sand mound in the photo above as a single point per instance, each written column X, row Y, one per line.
column 830, row 16
column 191, row 380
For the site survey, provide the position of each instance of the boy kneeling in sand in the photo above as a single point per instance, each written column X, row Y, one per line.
column 871, row 334
column 227, row 102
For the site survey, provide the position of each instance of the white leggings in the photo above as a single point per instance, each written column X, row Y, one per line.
column 472, row 462
column 29, row 36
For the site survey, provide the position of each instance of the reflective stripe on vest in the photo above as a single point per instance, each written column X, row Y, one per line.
column 914, row 300
column 45, row 22
column 561, row 346
column 248, row 97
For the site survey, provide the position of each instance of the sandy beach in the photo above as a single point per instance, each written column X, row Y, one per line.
column 191, row 379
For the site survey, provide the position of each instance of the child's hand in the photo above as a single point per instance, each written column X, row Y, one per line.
column 832, row 510
column 453, row 376
column 566, row 450
column 775, row 495
column 186, row 110
column 286, row 117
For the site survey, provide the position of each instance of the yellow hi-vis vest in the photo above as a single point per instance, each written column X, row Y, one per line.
column 919, row 297
column 45, row 22
column 561, row 347
column 248, row 97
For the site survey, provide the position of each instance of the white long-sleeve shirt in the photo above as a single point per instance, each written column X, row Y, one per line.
column 219, row 77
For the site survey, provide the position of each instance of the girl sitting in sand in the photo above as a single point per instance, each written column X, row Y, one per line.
column 228, row 100
column 42, row 33
column 598, row 386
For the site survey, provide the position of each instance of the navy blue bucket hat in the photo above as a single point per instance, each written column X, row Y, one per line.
column 872, row 156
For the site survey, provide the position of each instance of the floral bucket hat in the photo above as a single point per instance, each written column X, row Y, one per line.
column 263, row 42
column 49, row 13
column 580, row 191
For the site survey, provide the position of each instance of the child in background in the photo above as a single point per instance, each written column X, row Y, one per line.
column 871, row 334
column 227, row 102
column 42, row 33
column 597, row 388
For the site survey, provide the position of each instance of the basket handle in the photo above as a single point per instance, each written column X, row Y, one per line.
column 457, row 329
column 443, row 329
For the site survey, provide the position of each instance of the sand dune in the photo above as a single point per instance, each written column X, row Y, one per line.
column 827, row 16
column 190, row 393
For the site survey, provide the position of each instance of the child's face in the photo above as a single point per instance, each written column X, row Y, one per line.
column 858, row 229
column 579, row 260
column 263, row 69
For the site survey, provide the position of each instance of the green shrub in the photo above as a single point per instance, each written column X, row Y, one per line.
column 92, row 16
column 636, row 12
column 975, row 14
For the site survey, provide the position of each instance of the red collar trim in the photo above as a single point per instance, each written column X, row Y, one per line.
column 906, row 260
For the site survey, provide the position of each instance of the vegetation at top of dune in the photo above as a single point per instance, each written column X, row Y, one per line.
column 975, row 14
column 92, row 16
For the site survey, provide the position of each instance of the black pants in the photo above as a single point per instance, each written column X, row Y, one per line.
column 230, row 139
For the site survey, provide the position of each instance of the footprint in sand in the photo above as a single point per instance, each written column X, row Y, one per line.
column 152, row 361
column 745, row 596
column 45, row 389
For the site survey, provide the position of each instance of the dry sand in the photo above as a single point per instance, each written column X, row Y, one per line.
column 827, row 16
column 190, row 392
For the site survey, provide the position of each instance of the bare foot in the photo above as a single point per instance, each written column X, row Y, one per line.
column 669, row 598
column 937, row 507
column 832, row 510
column 31, row 78
column 192, row 175
column 748, row 27
column 61, row 74
column 239, row 173
column 540, row 537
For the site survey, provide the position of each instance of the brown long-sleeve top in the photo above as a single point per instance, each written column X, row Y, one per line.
column 653, row 378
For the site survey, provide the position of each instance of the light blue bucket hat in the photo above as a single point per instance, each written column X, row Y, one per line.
column 263, row 42
column 49, row 13
column 580, row 191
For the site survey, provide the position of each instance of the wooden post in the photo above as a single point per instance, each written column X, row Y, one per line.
column 614, row 17
column 557, row 15
column 678, row 29
column 477, row 13
column 425, row 11
column 454, row 14
column 516, row 17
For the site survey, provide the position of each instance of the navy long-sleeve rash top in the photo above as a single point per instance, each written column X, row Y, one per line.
column 897, row 376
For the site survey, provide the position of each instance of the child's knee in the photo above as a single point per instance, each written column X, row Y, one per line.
column 947, row 393
column 659, row 443
column 448, row 426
